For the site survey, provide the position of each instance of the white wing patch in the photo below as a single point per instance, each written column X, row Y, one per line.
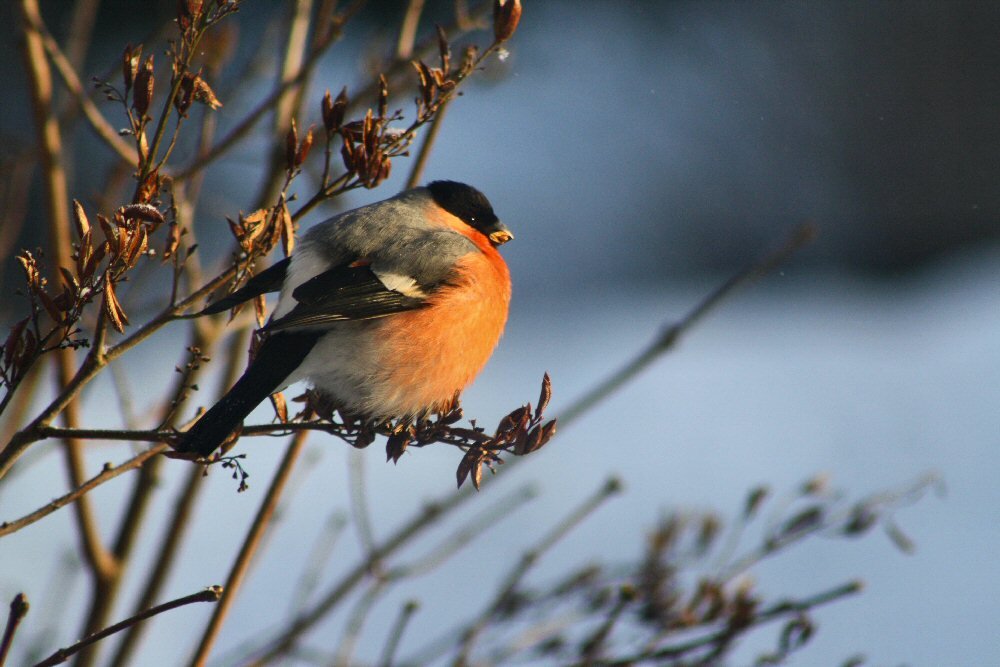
column 400, row 282
column 306, row 264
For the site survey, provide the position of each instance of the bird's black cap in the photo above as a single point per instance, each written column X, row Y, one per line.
column 471, row 207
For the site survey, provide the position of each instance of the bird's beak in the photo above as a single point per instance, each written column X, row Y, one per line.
column 500, row 234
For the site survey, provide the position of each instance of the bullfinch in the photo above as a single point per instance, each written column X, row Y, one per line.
column 388, row 310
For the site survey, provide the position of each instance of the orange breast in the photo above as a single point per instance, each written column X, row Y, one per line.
column 434, row 352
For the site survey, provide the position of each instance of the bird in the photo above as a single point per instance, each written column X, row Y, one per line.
column 388, row 310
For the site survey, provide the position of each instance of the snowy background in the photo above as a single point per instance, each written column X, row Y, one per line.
column 641, row 152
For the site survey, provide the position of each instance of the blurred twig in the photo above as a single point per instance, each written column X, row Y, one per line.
column 670, row 336
column 527, row 561
column 260, row 523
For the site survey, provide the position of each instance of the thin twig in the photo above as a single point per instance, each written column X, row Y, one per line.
column 356, row 622
column 359, row 504
column 774, row 612
column 98, row 122
column 425, row 149
column 260, row 523
column 210, row 594
column 428, row 516
column 267, row 104
column 396, row 633
column 109, row 473
column 18, row 610
column 167, row 552
column 525, row 564
column 670, row 336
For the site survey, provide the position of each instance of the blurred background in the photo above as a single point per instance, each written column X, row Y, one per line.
column 642, row 152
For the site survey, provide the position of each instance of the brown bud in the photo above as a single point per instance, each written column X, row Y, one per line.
column 506, row 16
column 333, row 111
column 143, row 95
column 544, row 396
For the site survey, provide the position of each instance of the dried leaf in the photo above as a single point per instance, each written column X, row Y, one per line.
column 477, row 474
column 861, row 519
column 68, row 278
column 80, row 218
column 173, row 240
column 287, row 226
column 54, row 311
column 13, row 341
column 470, row 459
column 144, row 83
column 280, row 406
column 383, row 96
column 150, row 187
column 444, row 50
column 130, row 65
column 304, row 147
column 396, row 444
column 204, row 94
column 113, row 307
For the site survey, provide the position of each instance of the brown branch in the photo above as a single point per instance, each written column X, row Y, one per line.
column 18, row 610
column 408, row 29
column 210, row 594
column 250, row 543
column 109, row 473
column 99, row 560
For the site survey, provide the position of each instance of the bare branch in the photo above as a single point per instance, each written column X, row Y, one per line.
column 109, row 473
column 211, row 594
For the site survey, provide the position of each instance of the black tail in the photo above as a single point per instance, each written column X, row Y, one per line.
column 280, row 354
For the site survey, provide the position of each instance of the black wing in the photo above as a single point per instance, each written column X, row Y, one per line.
column 344, row 293
column 269, row 280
